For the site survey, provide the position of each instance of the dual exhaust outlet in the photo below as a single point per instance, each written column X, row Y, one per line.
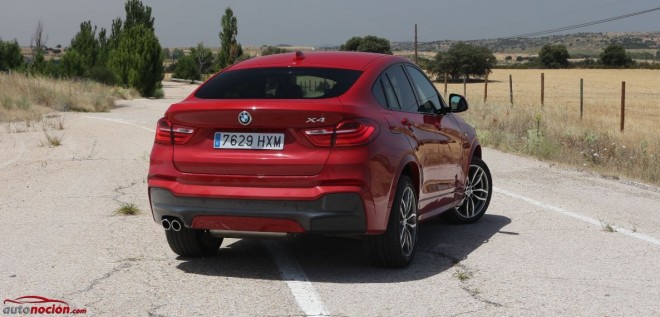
column 171, row 224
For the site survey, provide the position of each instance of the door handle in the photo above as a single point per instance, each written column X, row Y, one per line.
column 406, row 122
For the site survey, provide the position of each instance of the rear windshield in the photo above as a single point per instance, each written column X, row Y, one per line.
column 279, row 83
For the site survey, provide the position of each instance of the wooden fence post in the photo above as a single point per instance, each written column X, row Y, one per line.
column 511, row 88
column 486, row 90
column 623, row 105
column 581, row 97
column 465, row 86
column 542, row 89
column 446, row 79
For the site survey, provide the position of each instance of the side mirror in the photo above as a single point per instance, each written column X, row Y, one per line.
column 457, row 103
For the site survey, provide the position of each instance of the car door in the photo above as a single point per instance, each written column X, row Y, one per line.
column 424, row 137
column 451, row 139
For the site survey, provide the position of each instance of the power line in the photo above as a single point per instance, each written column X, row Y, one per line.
column 581, row 25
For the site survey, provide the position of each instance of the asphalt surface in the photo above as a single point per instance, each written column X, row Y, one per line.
column 545, row 247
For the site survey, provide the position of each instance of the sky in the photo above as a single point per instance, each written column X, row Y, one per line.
column 327, row 22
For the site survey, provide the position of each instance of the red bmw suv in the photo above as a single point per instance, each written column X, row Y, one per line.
column 330, row 143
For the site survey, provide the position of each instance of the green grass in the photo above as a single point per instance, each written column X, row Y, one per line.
column 608, row 228
column 463, row 275
column 128, row 209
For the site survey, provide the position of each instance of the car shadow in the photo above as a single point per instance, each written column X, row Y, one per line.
column 338, row 260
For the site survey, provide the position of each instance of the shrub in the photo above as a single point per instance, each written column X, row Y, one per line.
column 159, row 93
column 102, row 74
column 186, row 68
column 10, row 55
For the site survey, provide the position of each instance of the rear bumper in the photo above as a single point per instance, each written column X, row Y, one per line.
column 334, row 213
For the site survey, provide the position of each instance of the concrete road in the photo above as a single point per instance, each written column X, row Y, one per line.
column 555, row 241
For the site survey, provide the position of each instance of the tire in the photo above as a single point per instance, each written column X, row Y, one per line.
column 478, row 191
column 192, row 243
column 396, row 247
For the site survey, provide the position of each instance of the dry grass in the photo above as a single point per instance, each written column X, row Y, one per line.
column 21, row 96
column 555, row 131
column 51, row 140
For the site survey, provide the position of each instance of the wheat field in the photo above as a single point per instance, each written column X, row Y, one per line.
column 555, row 131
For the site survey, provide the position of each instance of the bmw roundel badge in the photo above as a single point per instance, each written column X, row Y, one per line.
column 244, row 118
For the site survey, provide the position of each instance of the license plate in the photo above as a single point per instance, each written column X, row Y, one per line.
column 248, row 141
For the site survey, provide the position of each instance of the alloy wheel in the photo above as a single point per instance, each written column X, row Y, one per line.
column 408, row 222
column 476, row 193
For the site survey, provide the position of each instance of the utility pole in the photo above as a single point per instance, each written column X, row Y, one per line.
column 416, row 43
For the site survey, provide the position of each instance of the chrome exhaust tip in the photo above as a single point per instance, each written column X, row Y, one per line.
column 176, row 225
column 167, row 225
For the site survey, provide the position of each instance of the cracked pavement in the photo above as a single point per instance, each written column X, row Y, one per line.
column 61, row 238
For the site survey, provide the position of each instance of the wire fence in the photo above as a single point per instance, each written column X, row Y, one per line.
column 604, row 96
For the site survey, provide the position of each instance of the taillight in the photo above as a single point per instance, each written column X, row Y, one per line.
column 351, row 132
column 172, row 134
column 321, row 136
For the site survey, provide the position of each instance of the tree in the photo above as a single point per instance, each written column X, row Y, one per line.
column 38, row 45
column 10, row 56
column 203, row 58
column 615, row 56
column 39, row 38
column 230, row 50
column 554, row 56
column 104, row 48
column 463, row 60
column 138, row 14
column 83, row 53
column 138, row 60
column 368, row 43
column 270, row 50
column 186, row 68
column 352, row 44
column 134, row 52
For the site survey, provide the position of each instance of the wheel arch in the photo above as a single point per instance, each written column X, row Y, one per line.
column 410, row 168
column 476, row 151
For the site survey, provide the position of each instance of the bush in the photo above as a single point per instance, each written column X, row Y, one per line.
column 159, row 93
column 271, row 50
column 186, row 68
column 10, row 55
column 102, row 74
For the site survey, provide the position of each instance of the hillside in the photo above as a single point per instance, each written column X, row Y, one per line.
column 577, row 43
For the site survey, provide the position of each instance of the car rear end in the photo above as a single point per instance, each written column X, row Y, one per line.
column 266, row 148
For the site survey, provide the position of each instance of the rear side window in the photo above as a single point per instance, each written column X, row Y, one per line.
column 279, row 83
column 402, row 89
column 378, row 92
